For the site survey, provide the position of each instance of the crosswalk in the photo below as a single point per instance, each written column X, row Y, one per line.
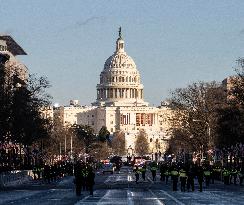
column 146, row 194
column 159, row 197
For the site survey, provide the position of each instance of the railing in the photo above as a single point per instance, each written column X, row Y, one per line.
column 15, row 177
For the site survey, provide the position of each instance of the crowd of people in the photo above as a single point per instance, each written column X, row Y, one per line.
column 187, row 173
column 50, row 173
column 84, row 178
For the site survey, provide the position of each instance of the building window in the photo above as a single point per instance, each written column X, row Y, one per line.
column 111, row 129
column 111, row 122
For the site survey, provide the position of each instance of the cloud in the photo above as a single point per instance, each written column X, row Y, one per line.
column 80, row 24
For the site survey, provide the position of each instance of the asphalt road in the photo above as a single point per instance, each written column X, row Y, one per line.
column 119, row 189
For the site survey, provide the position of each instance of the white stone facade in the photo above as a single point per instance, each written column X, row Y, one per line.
column 10, row 47
column 120, row 104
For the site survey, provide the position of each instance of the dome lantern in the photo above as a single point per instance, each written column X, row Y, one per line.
column 120, row 43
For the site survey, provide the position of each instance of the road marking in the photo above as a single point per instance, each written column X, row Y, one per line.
column 129, row 178
column 104, row 196
column 173, row 198
column 156, row 198
column 108, row 179
column 129, row 198
column 82, row 200
column 150, row 179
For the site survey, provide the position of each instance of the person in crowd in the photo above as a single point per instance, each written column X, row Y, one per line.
column 90, row 179
column 174, row 177
column 207, row 175
column 137, row 174
column 241, row 175
column 154, row 172
column 143, row 172
column 190, row 178
column 200, row 177
column 162, row 172
column 78, row 178
column 226, row 176
column 183, row 178
column 233, row 175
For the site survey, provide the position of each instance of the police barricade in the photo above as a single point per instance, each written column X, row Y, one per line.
column 15, row 177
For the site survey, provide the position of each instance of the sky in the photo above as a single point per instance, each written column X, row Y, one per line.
column 173, row 43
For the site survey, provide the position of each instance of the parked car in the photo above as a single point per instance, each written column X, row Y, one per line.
column 108, row 168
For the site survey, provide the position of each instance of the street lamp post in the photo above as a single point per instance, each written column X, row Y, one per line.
column 208, row 134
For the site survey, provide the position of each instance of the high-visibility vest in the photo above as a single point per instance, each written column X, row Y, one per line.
column 207, row 173
column 182, row 173
column 143, row 170
column 226, row 173
column 174, row 173
column 138, row 172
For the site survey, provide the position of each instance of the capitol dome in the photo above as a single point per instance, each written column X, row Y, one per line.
column 120, row 80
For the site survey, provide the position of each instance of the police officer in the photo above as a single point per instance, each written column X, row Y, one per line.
column 174, row 177
column 166, row 173
column 233, row 174
column 200, row 177
column 241, row 175
column 162, row 172
column 90, row 180
column 226, row 176
column 190, row 178
column 183, row 178
column 78, row 178
column 154, row 171
column 143, row 172
column 207, row 174
column 137, row 173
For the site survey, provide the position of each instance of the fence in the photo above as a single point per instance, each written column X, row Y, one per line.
column 15, row 177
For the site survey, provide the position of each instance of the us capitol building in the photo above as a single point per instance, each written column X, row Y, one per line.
column 120, row 104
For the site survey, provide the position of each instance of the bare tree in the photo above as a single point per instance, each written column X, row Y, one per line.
column 194, row 113
column 236, row 84
column 118, row 143
column 100, row 151
column 141, row 144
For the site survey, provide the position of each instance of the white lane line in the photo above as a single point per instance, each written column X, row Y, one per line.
column 79, row 202
column 130, row 198
column 129, row 178
column 173, row 198
column 150, row 179
column 108, row 179
column 104, row 196
column 156, row 198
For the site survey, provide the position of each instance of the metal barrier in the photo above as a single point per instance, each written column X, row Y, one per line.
column 15, row 177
